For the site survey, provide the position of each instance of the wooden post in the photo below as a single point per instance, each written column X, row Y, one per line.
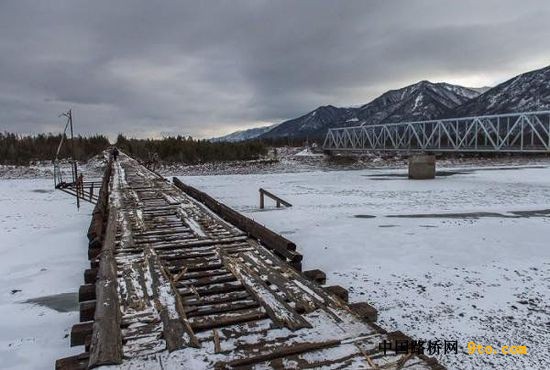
column 261, row 199
column 278, row 200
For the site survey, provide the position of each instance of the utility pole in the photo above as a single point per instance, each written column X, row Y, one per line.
column 74, row 168
column 69, row 116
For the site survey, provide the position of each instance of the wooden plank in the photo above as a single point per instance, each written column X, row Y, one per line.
column 106, row 344
column 176, row 329
column 225, row 319
column 302, row 299
column 283, row 351
column 218, row 288
column 207, row 280
column 217, row 298
column 279, row 311
column 193, row 311
column 133, row 296
column 217, row 345
column 300, row 280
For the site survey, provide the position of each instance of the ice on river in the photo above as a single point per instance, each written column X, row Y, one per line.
column 43, row 254
column 477, row 269
column 465, row 259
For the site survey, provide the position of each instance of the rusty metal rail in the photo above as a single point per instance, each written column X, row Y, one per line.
column 179, row 280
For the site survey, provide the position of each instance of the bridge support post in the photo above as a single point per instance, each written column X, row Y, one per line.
column 422, row 167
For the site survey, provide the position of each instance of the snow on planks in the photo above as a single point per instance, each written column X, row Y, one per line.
column 194, row 291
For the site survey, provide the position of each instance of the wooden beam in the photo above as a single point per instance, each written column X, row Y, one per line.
column 87, row 310
column 365, row 311
column 76, row 362
column 90, row 276
column 79, row 332
column 106, row 343
column 338, row 291
column 270, row 239
column 86, row 292
column 316, row 275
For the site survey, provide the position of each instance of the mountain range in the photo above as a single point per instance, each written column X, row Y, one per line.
column 243, row 135
column 423, row 100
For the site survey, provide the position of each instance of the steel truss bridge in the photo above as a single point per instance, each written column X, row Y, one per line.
column 506, row 133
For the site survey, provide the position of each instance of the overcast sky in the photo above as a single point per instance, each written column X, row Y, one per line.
column 206, row 68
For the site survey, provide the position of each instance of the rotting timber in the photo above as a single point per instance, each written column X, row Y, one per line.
column 179, row 280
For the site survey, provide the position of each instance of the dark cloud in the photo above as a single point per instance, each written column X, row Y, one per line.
column 206, row 67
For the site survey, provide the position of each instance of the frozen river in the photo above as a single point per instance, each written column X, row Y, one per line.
column 43, row 254
column 463, row 257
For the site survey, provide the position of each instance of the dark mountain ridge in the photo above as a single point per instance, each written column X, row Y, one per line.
column 423, row 100
column 524, row 93
column 420, row 101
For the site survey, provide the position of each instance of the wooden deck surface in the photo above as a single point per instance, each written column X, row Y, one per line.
column 186, row 289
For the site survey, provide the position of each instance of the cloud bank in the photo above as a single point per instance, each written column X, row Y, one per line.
column 204, row 68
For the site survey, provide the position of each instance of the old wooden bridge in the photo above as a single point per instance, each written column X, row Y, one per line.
column 181, row 281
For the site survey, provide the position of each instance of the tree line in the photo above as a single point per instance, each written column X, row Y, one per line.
column 187, row 150
column 22, row 150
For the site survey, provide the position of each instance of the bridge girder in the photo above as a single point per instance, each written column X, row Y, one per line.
column 527, row 132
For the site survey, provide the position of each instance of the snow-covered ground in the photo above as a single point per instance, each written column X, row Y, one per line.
column 470, row 270
column 43, row 253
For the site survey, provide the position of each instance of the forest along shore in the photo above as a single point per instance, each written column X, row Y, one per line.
column 285, row 160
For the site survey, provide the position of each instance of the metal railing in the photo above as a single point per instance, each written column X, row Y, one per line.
column 516, row 132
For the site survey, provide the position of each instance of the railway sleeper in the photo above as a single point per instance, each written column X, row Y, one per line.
column 183, row 283
column 80, row 332
column 76, row 362
column 195, row 311
column 225, row 319
column 217, row 298
column 212, row 289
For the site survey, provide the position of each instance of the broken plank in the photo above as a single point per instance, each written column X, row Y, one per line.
column 176, row 329
column 280, row 312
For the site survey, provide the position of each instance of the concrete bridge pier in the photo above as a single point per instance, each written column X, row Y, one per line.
column 422, row 167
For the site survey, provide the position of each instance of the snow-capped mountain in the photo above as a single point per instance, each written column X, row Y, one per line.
column 243, row 135
column 420, row 101
column 527, row 92
column 423, row 101
column 314, row 123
